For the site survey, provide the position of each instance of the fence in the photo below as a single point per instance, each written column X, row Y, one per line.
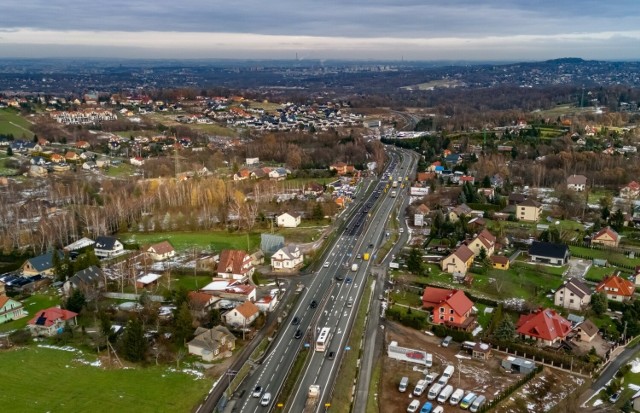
column 134, row 297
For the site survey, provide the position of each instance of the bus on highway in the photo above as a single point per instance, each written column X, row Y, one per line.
column 323, row 339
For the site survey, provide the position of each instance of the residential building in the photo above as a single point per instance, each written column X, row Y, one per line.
column 200, row 303
column 160, row 251
column 549, row 253
column 631, row 190
column 459, row 261
column 481, row 351
column 106, row 247
column 267, row 303
column 10, row 309
column 449, row 307
column 500, row 262
column 51, row 321
column 573, row 294
column 91, row 281
column 42, row 264
column 577, row 183
column 212, row 344
column 288, row 258
column 529, row 210
column 607, row 237
column 544, row 326
column 288, row 220
column 587, row 331
column 242, row 316
column 341, row 168
column 616, row 288
column 235, row 264
column 516, row 198
column 484, row 240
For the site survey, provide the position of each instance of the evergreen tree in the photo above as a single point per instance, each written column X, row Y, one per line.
column 134, row 344
column 58, row 266
column 214, row 318
column 76, row 301
column 414, row 262
column 183, row 325
column 105, row 326
column 317, row 213
column 486, row 182
column 505, row 330
column 68, row 267
column 9, row 151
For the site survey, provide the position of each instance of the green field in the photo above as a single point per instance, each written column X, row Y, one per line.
column 182, row 241
column 121, row 170
column 612, row 257
column 12, row 123
column 48, row 380
column 32, row 305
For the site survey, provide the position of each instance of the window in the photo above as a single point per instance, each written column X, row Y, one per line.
column 451, row 311
column 451, row 319
column 441, row 317
column 442, row 309
column 571, row 301
column 570, row 294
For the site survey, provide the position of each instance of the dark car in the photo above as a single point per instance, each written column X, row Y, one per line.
column 339, row 278
column 295, row 321
column 298, row 334
column 313, row 304
column 347, row 280
column 331, row 355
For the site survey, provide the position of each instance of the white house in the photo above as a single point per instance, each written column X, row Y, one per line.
column 287, row 258
column 242, row 316
column 160, row 251
column 106, row 247
column 267, row 303
column 288, row 220
column 573, row 294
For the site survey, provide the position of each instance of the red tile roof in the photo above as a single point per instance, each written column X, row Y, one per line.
column 3, row 300
column 616, row 285
column 198, row 299
column 161, row 247
column 456, row 299
column 247, row 309
column 499, row 259
column 231, row 261
column 544, row 324
column 49, row 316
column 464, row 253
column 607, row 230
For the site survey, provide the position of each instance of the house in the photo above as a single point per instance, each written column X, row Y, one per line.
column 516, row 198
column 83, row 145
column 288, row 220
column 499, row 262
column 616, row 288
column 577, row 183
column 10, row 309
column 573, row 294
column 200, row 303
column 278, row 174
column 147, row 280
column 459, row 261
column 242, row 316
column 484, row 240
column 42, row 264
column 106, row 247
column 631, row 190
column 341, row 168
column 607, row 237
column 267, row 303
column 235, row 264
column 549, row 253
column 449, row 307
column 51, row 321
column 459, row 211
column 544, row 326
column 90, row 281
column 528, row 210
column 212, row 344
column 481, row 351
column 160, row 251
column 587, row 331
column 71, row 156
column 313, row 188
column 288, row 258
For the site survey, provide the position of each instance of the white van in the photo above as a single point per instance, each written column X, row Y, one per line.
column 456, row 397
column 420, row 386
column 431, row 377
column 434, row 391
column 448, row 372
column 429, row 360
column 443, row 380
column 413, row 406
column 404, row 383
column 477, row 404
column 445, row 393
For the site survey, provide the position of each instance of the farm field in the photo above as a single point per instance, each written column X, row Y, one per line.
column 181, row 241
column 12, row 123
column 65, row 382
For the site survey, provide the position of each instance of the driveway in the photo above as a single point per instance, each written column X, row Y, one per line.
column 578, row 268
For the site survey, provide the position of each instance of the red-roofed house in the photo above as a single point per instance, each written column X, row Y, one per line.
column 342, row 168
column 632, row 190
column 459, row 261
column 243, row 315
column 450, row 307
column 545, row 326
column 200, row 303
column 267, row 303
column 606, row 236
column 235, row 264
column 51, row 321
column 616, row 288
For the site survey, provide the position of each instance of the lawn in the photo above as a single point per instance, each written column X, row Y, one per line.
column 43, row 379
column 121, row 170
column 181, row 241
column 32, row 305
column 613, row 257
column 598, row 273
column 12, row 123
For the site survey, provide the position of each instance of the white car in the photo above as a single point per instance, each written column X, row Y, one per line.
column 257, row 392
column 266, row 399
column 326, row 264
column 414, row 406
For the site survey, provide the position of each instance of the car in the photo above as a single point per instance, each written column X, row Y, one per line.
column 257, row 391
column 426, row 407
column 331, row 355
column 339, row 278
column 295, row 321
column 266, row 399
column 413, row 406
column 348, row 280
column 326, row 264
column 614, row 397
column 359, row 256
column 371, row 245
column 446, row 341
column 313, row 304
column 298, row 334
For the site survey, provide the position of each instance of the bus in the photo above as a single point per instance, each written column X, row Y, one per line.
column 323, row 339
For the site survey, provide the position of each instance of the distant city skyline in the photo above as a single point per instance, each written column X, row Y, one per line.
column 350, row 29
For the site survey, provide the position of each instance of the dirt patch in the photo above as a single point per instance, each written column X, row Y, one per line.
column 481, row 377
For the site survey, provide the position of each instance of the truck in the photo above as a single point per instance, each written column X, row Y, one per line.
column 354, row 267
column 393, row 194
column 394, row 184
column 394, row 265
column 404, row 382
column 313, row 397
column 365, row 256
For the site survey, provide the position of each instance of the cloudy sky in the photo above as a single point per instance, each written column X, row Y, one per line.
column 352, row 29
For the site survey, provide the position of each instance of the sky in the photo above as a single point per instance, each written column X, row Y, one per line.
column 330, row 29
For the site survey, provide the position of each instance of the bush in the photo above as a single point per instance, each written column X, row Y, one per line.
column 458, row 336
column 20, row 337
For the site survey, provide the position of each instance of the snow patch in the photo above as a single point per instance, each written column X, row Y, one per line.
column 597, row 403
column 635, row 366
column 64, row 348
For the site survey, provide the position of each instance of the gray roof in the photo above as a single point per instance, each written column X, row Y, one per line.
column 105, row 243
column 88, row 276
column 577, row 287
column 548, row 249
column 211, row 339
column 45, row 261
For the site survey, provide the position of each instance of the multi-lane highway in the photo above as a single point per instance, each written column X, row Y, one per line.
column 329, row 300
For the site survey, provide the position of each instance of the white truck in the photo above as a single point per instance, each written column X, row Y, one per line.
column 313, row 396
column 393, row 194
column 354, row 267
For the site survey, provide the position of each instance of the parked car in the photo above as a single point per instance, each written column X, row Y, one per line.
column 413, row 406
column 257, row 391
column 426, row 407
column 446, row 341
column 614, row 397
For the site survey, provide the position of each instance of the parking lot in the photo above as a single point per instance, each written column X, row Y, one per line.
column 485, row 378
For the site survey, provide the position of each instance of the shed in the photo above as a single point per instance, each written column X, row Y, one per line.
column 518, row 365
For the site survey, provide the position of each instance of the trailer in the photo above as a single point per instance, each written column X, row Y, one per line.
column 313, row 396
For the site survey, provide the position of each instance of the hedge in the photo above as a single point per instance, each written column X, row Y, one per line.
column 457, row 335
column 509, row 390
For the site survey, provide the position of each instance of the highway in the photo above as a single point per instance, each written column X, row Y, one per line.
column 323, row 303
